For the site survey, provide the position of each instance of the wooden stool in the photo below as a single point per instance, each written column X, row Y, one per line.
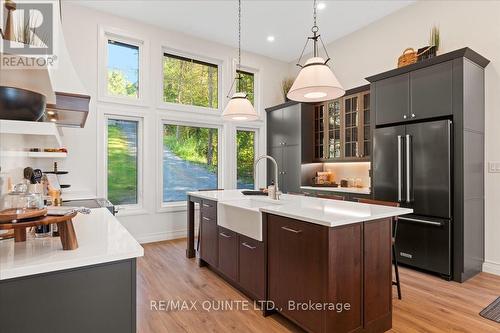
column 64, row 225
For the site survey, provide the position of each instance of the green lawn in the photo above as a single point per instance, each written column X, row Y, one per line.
column 122, row 168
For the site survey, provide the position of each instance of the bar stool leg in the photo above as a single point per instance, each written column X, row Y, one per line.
column 396, row 270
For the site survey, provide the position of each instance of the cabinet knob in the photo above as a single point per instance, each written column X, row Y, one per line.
column 404, row 117
column 413, row 115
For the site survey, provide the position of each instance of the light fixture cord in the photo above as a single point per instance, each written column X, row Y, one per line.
column 239, row 44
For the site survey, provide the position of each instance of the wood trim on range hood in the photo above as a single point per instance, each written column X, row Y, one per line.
column 70, row 109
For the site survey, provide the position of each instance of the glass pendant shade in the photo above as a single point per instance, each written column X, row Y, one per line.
column 315, row 83
column 239, row 108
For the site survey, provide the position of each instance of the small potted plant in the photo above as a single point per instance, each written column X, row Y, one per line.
column 430, row 51
column 286, row 84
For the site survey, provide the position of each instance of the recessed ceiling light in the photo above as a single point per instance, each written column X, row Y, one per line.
column 321, row 6
column 270, row 39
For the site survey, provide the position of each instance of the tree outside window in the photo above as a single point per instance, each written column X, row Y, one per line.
column 123, row 69
column 122, row 158
column 245, row 157
column 190, row 82
column 190, row 160
column 246, row 85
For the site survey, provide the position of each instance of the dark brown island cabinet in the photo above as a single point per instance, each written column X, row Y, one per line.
column 237, row 258
column 324, row 279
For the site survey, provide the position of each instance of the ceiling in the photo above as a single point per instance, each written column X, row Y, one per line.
column 288, row 21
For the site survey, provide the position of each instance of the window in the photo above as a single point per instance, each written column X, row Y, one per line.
column 246, row 84
column 190, row 160
column 122, row 69
column 190, row 82
column 122, row 161
column 245, row 157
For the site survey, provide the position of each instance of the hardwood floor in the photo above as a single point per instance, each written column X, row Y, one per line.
column 164, row 273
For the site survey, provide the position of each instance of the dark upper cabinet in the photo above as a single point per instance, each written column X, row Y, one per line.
column 292, row 124
column 289, row 141
column 421, row 94
column 275, row 135
column 431, row 91
column 284, row 126
column 392, row 99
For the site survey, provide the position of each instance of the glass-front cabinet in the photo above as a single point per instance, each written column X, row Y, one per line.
column 319, row 131
column 342, row 127
column 334, row 129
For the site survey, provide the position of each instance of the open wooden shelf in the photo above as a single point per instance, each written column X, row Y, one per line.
column 32, row 154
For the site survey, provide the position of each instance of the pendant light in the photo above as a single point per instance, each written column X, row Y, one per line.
column 315, row 81
column 239, row 107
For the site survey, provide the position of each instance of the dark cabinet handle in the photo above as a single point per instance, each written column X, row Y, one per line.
column 291, row 230
column 224, row 235
column 248, row 246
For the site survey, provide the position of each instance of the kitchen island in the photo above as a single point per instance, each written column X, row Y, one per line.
column 90, row 289
column 324, row 264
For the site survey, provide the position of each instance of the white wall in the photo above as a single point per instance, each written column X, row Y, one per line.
column 475, row 24
column 81, row 28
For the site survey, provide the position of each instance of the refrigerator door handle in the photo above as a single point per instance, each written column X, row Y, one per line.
column 399, row 167
column 440, row 224
column 408, row 168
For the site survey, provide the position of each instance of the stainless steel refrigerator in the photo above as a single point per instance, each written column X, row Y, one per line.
column 412, row 164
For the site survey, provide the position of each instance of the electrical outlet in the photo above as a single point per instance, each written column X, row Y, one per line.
column 494, row 167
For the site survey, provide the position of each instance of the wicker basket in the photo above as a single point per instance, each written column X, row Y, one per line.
column 408, row 57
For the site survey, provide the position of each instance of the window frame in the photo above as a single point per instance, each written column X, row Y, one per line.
column 121, row 36
column 256, row 131
column 128, row 209
column 186, row 107
column 164, row 120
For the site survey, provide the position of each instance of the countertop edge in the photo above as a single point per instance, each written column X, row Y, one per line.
column 333, row 224
column 26, row 272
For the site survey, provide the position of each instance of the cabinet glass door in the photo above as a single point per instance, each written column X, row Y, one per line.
column 366, row 126
column 351, row 145
column 319, row 131
column 334, row 144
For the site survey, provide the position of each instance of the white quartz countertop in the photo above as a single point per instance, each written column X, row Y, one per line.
column 101, row 239
column 327, row 212
column 356, row 190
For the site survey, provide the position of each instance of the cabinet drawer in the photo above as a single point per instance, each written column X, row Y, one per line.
column 252, row 267
column 209, row 208
column 209, row 243
column 297, row 267
column 228, row 253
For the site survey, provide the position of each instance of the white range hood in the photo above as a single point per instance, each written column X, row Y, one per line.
column 67, row 98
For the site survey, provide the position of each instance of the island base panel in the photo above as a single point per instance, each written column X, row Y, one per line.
column 99, row 298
